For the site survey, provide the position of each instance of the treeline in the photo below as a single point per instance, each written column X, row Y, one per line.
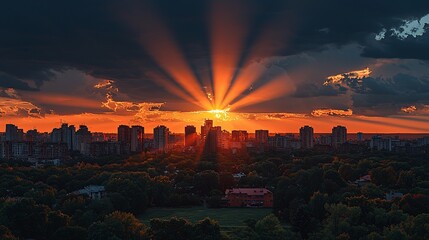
column 314, row 196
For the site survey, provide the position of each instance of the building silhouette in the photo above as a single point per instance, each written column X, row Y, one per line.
column 212, row 141
column 339, row 136
column 239, row 135
column 306, row 135
column 160, row 138
column 13, row 133
column 83, row 140
column 136, row 138
column 208, row 124
column 65, row 134
column 261, row 136
column 124, row 134
column 190, row 136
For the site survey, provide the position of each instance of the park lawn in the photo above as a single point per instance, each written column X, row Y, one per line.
column 227, row 217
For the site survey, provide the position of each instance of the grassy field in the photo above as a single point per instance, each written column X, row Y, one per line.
column 227, row 217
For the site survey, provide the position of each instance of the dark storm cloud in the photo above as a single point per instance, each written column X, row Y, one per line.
column 384, row 96
column 306, row 90
column 91, row 36
column 8, row 81
column 394, row 47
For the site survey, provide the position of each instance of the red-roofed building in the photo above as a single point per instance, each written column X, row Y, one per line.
column 249, row 197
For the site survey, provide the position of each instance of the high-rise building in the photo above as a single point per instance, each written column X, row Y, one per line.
column 160, row 138
column 381, row 144
column 324, row 140
column 124, row 134
column 20, row 134
column 190, row 136
column 239, row 135
column 225, row 140
column 137, row 137
column 67, row 136
column 208, row 124
column 212, row 140
column 261, row 136
column 124, row 138
column 56, row 135
column 359, row 136
column 11, row 132
column 339, row 136
column 306, row 135
column 32, row 135
column 83, row 140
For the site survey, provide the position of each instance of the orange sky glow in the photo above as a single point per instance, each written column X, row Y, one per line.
column 232, row 86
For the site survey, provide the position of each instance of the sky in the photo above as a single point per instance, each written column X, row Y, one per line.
column 246, row 64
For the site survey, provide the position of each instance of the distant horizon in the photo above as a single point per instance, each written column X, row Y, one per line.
column 249, row 131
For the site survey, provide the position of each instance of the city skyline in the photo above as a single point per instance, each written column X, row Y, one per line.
column 67, row 140
column 183, row 129
column 246, row 64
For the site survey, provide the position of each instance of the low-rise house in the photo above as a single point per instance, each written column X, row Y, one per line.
column 238, row 176
column 362, row 181
column 92, row 191
column 249, row 197
column 390, row 196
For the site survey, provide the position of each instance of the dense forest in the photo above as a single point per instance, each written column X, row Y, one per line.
column 315, row 196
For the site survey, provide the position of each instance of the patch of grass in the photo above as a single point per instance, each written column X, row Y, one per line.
column 227, row 217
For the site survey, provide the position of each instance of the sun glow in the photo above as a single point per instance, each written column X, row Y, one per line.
column 233, row 69
column 220, row 114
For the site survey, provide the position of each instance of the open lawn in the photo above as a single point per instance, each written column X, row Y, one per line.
column 227, row 217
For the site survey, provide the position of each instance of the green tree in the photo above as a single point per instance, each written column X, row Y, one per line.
column 70, row 233
column 26, row 218
column 406, row 179
column 206, row 229
column 270, row 228
column 417, row 227
column 42, row 194
column 348, row 172
column 385, row 176
column 317, row 205
column 133, row 187
column 206, row 181
column 395, row 233
column 56, row 220
column 6, row 234
column 170, row 229
column 341, row 218
column 415, row 203
column 160, row 190
column 117, row 225
column 372, row 191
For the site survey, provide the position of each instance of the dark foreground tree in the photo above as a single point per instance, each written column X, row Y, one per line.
column 6, row 234
column 170, row 229
column 117, row 225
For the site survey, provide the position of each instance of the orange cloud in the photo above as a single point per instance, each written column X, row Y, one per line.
column 409, row 109
column 116, row 106
column 358, row 74
column 106, row 84
column 331, row 112
column 18, row 107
